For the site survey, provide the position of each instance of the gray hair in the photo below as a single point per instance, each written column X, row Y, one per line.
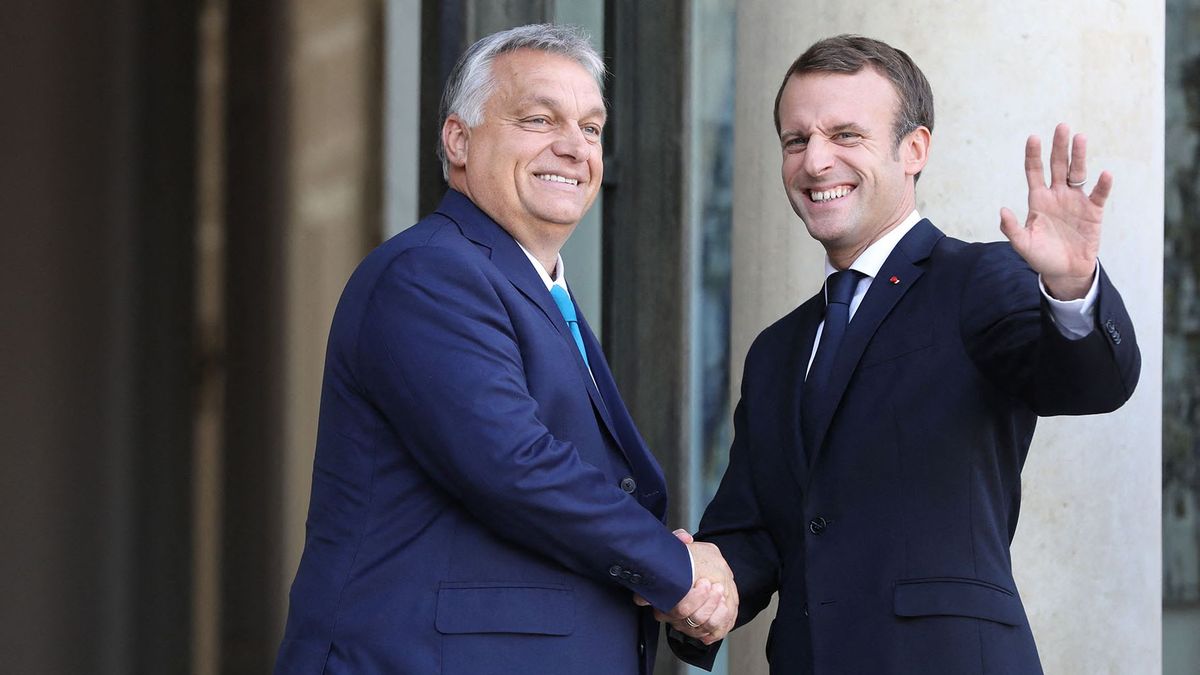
column 471, row 82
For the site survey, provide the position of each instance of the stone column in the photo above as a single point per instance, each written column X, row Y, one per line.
column 1087, row 553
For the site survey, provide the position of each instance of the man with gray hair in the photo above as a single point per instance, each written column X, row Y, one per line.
column 482, row 502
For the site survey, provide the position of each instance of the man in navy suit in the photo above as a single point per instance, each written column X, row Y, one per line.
column 874, row 480
column 482, row 502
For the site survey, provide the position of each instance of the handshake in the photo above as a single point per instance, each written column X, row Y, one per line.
column 708, row 612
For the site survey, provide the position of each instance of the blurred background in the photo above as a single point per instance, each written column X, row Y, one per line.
column 185, row 186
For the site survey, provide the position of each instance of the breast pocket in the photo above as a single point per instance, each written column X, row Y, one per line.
column 893, row 344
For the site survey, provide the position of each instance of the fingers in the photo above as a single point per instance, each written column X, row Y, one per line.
column 1033, row 163
column 1068, row 159
column 719, row 623
column 683, row 536
column 1077, row 172
column 701, row 614
column 1102, row 190
column 713, row 620
column 695, row 598
column 1060, row 155
column 640, row 601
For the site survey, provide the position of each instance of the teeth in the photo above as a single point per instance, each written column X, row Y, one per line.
column 555, row 178
column 826, row 195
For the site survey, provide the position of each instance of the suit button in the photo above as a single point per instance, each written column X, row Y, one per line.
column 817, row 525
column 628, row 484
column 806, row 610
column 626, row 575
column 641, row 647
column 615, row 570
column 635, row 579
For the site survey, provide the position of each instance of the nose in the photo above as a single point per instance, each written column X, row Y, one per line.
column 572, row 143
column 818, row 156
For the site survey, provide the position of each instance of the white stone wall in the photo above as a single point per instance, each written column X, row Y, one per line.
column 1088, row 551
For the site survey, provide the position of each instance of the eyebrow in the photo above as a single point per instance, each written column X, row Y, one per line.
column 547, row 102
column 837, row 129
column 848, row 126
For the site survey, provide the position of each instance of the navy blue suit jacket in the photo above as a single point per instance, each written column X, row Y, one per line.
column 478, row 504
column 888, row 542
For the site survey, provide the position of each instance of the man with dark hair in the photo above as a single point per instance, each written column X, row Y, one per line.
column 874, row 479
column 482, row 503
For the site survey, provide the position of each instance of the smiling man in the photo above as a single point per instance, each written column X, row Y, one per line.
column 875, row 476
column 481, row 502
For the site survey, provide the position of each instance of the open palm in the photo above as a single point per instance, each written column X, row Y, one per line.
column 1061, row 236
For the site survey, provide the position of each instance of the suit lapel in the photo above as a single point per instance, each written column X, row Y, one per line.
column 792, row 385
column 603, row 379
column 508, row 257
column 616, row 417
column 505, row 254
column 905, row 264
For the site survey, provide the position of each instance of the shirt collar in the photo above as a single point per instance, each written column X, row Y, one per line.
column 560, row 276
column 871, row 260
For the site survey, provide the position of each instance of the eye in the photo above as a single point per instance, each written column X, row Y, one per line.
column 795, row 143
column 591, row 129
column 846, row 137
column 537, row 121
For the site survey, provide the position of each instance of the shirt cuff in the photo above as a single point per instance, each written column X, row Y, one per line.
column 1075, row 319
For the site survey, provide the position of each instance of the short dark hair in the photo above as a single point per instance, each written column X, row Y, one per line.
column 848, row 54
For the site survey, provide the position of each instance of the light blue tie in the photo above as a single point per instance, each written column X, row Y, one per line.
column 563, row 300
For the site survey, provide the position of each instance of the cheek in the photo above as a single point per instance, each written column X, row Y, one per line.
column 791, row 169
column 596, row 164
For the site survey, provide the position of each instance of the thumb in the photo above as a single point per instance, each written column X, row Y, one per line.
column 1009, row 224
column 640, row 601
column 682, row 535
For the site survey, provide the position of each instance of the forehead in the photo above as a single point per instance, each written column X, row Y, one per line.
column 821, row 98
column 529, row 76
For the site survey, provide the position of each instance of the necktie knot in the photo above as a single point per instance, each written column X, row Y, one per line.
column 840, row 286
column 563, row 300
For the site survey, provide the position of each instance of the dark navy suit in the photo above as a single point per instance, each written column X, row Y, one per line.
column 888, row 541
column 479, row 505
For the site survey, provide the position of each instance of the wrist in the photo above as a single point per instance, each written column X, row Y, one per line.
column 1068, row 287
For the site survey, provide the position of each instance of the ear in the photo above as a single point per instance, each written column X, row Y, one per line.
column 914, row 150
column 455, row 134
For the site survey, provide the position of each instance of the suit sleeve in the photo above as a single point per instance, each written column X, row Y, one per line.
column 734, row 523
column 1010, row 334
column 439, row 356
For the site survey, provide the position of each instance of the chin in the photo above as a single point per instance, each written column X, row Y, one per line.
column 561, row 214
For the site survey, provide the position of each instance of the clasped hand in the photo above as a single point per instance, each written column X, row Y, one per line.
column 709, row 610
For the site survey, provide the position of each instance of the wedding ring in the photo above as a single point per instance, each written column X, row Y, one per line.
column 688, row 621
column 1071, row 183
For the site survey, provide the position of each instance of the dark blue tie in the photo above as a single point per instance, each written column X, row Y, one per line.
column 563, row 300
column 839, row 290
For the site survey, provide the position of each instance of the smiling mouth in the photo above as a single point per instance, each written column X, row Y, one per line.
column 555, row 178
column 831, row 194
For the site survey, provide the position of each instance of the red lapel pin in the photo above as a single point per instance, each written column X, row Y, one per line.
column 895, row 280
